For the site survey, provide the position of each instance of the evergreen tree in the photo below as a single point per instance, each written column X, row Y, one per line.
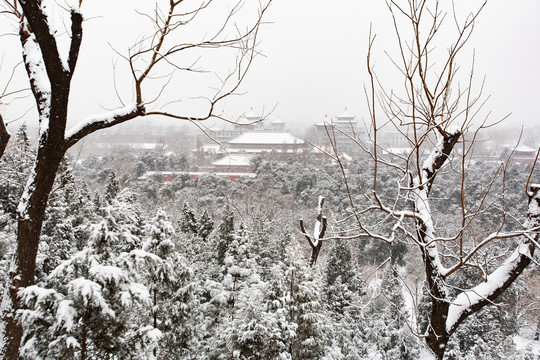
column 188, row 223
column 174, row 292
column 205, row 226
column 23, row 143
column 113, row 187
column 424, row 309
column 254, row 321
column 90, row 304
column 15, row 164
column 225, row 234
column 387, row 333
column 345, row 292
column 306, row 311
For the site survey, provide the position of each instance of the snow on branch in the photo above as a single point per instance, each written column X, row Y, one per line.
column 38, row 25
column 76, row 37
column 102, row 121
column 37, row 74
column 438, row 156
column 499, row 280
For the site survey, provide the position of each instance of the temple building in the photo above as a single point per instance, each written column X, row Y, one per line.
column 343, row 128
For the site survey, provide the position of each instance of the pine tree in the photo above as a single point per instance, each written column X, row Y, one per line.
column 90, row 304
column 225, row 234
column 15, row 164
column 205, row 226
column 386, row 333
column 345, row 292
column 253, row 321
column 65, row 228
column 306, row 310
column 188, row 223
column 23, row 143
column 113, row 187
column 174, row 292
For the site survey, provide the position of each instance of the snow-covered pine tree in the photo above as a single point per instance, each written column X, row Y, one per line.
column 306, row 309
column 205, row 226
column 254, row 323
column 345, row 296
column 15, row 164
column 225, row 234
column 113, row 187
column 173, row 290
column 188, row 222
column 386, row 332
column 90, row 305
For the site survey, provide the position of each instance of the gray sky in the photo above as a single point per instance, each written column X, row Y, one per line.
column 314, row 63
column 316, row 53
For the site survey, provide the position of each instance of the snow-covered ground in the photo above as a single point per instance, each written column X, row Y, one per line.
column 528, row 345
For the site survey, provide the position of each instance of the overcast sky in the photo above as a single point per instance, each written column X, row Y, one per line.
column 314, row 60
column 316, row 51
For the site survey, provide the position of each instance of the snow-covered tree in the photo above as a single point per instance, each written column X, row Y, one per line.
column 205, row 226
column 50, row 52
column 435, row 115
column 15, row 165
column 188, row 222
column 225, row 234
column 113, row 187
column 89, row 305
column 174, row 292
column 306, row 308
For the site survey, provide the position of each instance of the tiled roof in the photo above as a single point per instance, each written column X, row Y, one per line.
column 266, row 138
column 233, row 160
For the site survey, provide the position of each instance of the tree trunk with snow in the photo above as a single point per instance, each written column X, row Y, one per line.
column 437, row 336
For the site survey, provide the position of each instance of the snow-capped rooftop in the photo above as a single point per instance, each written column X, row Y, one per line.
column 346, row 118
column 346, row 115
column 525, row 148
column 233, row 160
column 277, row 121
column 252, row 116
column 266, row 138
column 210, row 148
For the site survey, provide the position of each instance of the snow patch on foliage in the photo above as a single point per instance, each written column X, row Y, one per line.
column 154, row 335
column 135, row 291
column 35, row 294
column 90, row 293
column 108, row 273
column 524, row 344
column 71, row 342
column 66, row 315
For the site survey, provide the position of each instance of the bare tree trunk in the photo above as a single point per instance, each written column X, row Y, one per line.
column 84, row 337
column 4, row 137
column 437, row 336
column 154, row 311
